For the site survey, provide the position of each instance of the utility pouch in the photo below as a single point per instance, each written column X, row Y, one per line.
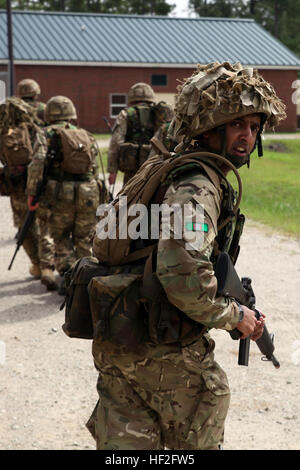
column 128, row 157
column 166, row 323
column 78, row 318
column 117, row 310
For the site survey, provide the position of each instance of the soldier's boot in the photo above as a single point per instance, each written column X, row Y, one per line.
column 35, row 271
column 48, row 279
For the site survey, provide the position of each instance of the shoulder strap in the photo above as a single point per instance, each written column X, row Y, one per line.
column 160, row 146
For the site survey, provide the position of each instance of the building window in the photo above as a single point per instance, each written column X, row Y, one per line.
column 159, row 80
column 118, row 101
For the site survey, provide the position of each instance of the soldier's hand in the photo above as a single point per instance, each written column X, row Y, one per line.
column 112, row 178
column 258, row 331
column 249, row 325
column 32, row 207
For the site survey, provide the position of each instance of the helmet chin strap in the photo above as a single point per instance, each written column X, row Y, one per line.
column 258, row 142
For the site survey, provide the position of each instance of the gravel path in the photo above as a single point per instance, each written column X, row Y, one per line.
column 48, row 381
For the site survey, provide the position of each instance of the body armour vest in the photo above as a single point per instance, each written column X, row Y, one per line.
column 140, row 124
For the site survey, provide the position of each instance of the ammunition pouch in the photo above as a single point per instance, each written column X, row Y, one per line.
column 103, row 303
column 119, row 307
column 132, row 156
column 117, row 310
column 166, row 323
column 78, row 319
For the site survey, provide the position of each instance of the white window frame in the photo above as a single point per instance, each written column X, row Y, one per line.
column 115, row 105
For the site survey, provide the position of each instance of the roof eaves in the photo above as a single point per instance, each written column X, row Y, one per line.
column 138, row 64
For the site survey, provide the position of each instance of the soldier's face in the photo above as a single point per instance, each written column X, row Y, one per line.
column 241, row 134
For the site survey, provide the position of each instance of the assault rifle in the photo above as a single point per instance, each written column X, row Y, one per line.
column 41, row 186
column 112, row 187
column 230, row 285
column 108, row 124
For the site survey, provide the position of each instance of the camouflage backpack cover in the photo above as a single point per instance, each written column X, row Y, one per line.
column 76, row 146
column 18, row 121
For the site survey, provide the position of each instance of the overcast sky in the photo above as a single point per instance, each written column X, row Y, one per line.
column 181, row 9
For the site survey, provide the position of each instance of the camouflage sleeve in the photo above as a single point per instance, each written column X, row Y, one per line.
column 117, row 138
column 95, row 155
column 36, row 166
column 183, row 261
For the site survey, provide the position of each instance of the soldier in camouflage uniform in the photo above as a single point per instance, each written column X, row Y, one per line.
column 29, row 91
column 134, row 124
column 72, row 196
column 175, row 395
column 15, row 114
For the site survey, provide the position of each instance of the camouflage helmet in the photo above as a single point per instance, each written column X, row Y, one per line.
column 60, row 108
column 141, row 92
column 217, row 93
column 28, row 88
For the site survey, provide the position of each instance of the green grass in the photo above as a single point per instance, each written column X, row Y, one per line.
column 103, row 151
column 102, row 137
column 271, row 188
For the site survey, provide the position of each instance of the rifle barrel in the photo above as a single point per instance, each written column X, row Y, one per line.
column 13, row 258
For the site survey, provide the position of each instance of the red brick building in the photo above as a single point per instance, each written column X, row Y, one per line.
column 95, row 59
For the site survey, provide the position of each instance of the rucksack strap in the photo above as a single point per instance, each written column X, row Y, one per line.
column 232, row 167
column 157, row 144
column 138, row 254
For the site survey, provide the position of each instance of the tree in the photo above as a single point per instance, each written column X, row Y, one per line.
column 280, row 17
column 139, row 7
column 217, row 8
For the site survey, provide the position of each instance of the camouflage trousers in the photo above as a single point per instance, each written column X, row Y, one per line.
column 73, row 219
column 161, row 397
column 37, row 244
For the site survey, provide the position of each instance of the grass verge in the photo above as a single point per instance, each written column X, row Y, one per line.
column 271, row 188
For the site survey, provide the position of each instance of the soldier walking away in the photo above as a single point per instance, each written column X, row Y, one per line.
column 168, row 392
column 130, row 142
column 73, row 188
column 19, row 128
column 29, row 91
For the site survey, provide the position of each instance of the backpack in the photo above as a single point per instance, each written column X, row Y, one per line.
column 76, row 146
column 16, row 145
column 156, row 173
column 140, row 128
column 127, row 304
